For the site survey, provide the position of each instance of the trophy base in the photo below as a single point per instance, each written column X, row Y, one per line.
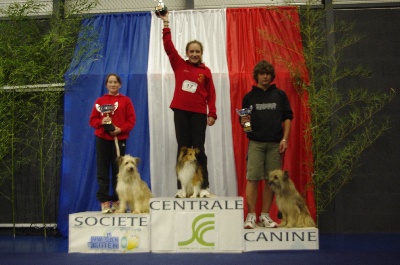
column 247, row 129
column 109, row 127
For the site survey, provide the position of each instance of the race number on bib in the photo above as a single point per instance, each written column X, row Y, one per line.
column 189, row 86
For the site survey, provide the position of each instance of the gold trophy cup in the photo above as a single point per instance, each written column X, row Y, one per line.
column 107, row 110
column 161, row 9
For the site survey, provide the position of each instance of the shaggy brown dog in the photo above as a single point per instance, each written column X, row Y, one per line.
column 189, row 172
column 289, row 201
column 132, row 190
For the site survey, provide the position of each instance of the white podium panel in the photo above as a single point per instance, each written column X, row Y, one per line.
column 262, row 238
column 95, row 232
column 197, row 225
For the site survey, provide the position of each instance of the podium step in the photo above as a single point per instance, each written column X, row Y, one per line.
column 200, row 225
column 95, row 232
column 262, row 238
column 197, row 225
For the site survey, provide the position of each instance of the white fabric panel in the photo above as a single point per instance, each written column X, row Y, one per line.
column 209, row 27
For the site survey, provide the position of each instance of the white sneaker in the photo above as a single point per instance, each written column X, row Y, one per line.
column 115, row 206
column 250, row 222
column 266, row 221
column 105, row 207
column 205, row 193
column 179, row 194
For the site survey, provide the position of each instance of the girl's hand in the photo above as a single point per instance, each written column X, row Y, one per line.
column 106, row 120
column 210, row 121
column 116, row 131
column 165, row 17
column 244, row 119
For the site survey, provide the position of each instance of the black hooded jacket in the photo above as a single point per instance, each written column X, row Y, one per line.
column 270, row 109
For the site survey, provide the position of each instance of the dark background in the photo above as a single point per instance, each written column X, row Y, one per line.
column 371, row 201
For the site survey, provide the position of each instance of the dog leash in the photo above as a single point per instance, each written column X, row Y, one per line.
column 117, row 146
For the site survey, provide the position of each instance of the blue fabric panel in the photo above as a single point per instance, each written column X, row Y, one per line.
column 124, row 42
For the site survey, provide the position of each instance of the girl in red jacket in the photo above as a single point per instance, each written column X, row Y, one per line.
column 194, row 99
column 113, row 117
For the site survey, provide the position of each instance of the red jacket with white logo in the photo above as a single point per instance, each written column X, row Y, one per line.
column 194, row 86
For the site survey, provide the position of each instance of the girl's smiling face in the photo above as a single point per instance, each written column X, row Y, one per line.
column 194, row 53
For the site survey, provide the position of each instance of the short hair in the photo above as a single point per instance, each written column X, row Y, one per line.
column 263, row 67
column 116, row 76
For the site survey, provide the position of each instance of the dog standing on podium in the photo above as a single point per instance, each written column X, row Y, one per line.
column 189, row 172
column 131, row 189
column 289, row 201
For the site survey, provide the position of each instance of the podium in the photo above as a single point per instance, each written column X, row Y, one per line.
column 262, row 238
column 201, row 225
column 95, row 232
column 197, row 225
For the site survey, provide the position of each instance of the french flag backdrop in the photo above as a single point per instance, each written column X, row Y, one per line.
column 234, row 41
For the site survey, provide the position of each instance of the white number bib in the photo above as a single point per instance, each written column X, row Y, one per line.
column 189, row 86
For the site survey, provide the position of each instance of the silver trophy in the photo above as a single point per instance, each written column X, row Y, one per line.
column 245, row 112
column 107, row 110
column 161, row 9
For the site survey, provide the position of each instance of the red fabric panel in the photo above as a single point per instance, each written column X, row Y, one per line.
column 272, row 34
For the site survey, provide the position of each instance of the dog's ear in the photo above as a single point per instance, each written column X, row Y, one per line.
column 285, row 175
column 137, row 160
column 196, row 151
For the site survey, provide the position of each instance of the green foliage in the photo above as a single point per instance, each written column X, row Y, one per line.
column 343, row 123
column 38, row 51
column 35, row 51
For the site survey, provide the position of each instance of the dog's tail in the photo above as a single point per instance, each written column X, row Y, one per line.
column 309, row 221
column 306, row 220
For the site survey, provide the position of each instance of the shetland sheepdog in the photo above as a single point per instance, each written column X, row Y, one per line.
column 189, row 172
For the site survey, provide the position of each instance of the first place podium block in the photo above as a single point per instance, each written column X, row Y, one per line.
column 95, row 232
column 197, row 225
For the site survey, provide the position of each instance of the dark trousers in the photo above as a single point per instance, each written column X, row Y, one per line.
column 190, row 130
column 106, row 161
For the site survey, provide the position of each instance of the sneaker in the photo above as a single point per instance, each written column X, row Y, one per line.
column 105, row 207
column 250, row 222
column 266, row 221
column 115, row 206
column 205, row 193
column 179, row 194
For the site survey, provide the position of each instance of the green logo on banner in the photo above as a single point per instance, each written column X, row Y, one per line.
column 200, row 226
